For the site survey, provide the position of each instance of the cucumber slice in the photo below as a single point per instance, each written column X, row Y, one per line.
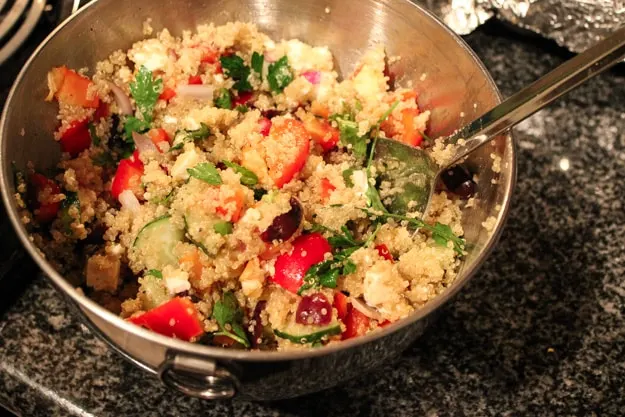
column 299, row 333
column 156, row 241
column 201, row 232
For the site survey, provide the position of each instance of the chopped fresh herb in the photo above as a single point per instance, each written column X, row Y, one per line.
column 247, row 177
column 279, row 75
column 145, row 90
column 326, row 273
column 372, row 194
column 117, row 141
column 235, row 68
column 184, row 136
column 349, row 136
column 347, row 177
column 358, row 105
column 103, row 159
column 441, row 233
column 229, row 316
column 165, row 200
column 155, row 273
column 257, row 64
column 259, row 193
column 242, row 108
column 205, row 172
column 223, row 228
column 68, row 216
column 134, row 125
column 388, row 112
column 224, row 99
column 95, row 139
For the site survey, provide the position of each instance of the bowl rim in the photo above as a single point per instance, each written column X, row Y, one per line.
column 213, row 352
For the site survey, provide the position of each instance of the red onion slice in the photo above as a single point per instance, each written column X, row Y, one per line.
column 361, row 306
column 197, row 91
column 143, row 143
column 122, row 100
column 129, row 201
column 313, row 77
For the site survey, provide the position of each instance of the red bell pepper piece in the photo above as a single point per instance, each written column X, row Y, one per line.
column 322, row 132
column 45, row 212
column 72, row 88
column 177, row 318
column 341, row 305
column 195, row 80
column 356, row 323
column 242, row 99
column 167, row 94
column 264, row 125
column 288, row 146
column 158, row 135
column 128, row 176
column 76, row 137
column 291, row 267
column 326, row 189
column 384, row 252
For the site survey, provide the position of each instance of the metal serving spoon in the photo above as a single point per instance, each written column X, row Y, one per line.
column 413, row 170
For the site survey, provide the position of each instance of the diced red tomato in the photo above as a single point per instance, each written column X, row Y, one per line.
column 72, row 88
column 101, row 112
column 194, row 80
column 341, row 305
column 128, row 176
column 319, row 109
column 231, row 206
column 177, row 318
column 264, row 125
column 242, row 99
column 407, row 133
column 384, row 323
column 76, row 138
column 167, row 94
column 326, row 189
column 291, row 267
column 158, row 135
column 322, row 132
column 410, row 135
column 209, row 55
column 46, row 212
column 287, row 148
column 384, row 252
column 356, row 323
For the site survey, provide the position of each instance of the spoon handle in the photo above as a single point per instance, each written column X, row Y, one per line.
column 526, row 102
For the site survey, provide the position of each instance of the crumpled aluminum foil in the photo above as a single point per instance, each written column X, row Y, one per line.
column 573, row 24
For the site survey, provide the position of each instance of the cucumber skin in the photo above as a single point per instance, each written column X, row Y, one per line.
column 311, row 337
column 166, row 257
column 158, row 219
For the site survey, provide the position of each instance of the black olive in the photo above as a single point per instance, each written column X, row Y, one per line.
column 459, row 181
column 283, row 226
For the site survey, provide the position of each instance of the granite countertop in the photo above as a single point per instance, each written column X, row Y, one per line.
column 538, row 331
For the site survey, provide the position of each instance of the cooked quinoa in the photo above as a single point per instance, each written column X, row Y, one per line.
column 216, row 187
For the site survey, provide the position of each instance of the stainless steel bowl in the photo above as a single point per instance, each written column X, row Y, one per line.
column 449, row 77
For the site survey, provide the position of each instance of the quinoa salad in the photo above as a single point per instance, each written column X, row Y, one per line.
column 218, row 188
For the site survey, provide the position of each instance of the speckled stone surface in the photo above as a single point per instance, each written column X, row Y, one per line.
column 539, row 331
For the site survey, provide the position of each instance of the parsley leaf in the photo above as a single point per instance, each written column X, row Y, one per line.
column 279, row 75
column 185, row 136
column 441, row 233
column 257, row 64
column 349, row 136
column 145, row 90
column 155, row 272
column 229, row 316
column 94, row 136
column 242, row 108
column 235, row 68
column 223, row 99
column 223, row 227
column 247, row 177
column 205, row 172
column 134, row 125
column 67, row 217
